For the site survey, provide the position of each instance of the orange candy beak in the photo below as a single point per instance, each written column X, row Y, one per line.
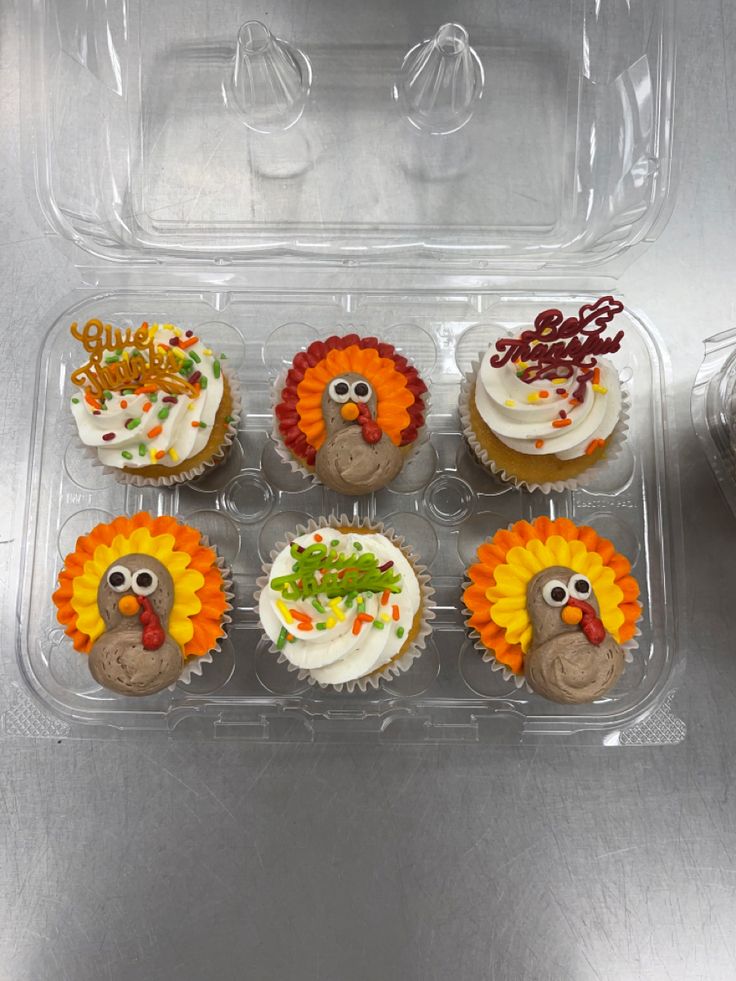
column 350, row 412
column 129, row 606
column 571, row 615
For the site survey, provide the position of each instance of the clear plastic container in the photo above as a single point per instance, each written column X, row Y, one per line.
column 713, row 409
column 353, row 201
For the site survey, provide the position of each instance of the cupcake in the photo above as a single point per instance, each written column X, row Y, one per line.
column 554, row 604
column 146, row 600
column 155, row 406
column 345, row 603
column 350, row 411
column 543, row 408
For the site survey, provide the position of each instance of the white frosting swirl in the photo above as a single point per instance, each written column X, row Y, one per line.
column 524, row 419
column 179, row 439
column 337, row 653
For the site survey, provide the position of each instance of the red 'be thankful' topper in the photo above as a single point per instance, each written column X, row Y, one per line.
column 557, row 348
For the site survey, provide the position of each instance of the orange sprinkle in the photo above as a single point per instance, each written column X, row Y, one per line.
column 357, row 627
column 395, row 612
column 539, row 444
column 146, row 406
column 597, row 376
column 143, row 389
column 364, row 618
column 123, row 404
column 544, row 394
column 574, row 402
column 306, row 626
column 561, row 423
column 153, row 433
column 385, row 596
column 92, row 401
column 160, row 454
column 317, row 538
column 593, row 446
column 195, row 425
column 186, row 342
column 301, row 617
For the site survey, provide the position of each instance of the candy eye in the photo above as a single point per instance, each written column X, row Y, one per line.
column 339, row 390
column 579, row 586
column 555, row 593
column 144, row 582
column 361, row 391
column 118, row 578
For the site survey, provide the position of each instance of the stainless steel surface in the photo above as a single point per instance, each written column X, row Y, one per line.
column 162, row 859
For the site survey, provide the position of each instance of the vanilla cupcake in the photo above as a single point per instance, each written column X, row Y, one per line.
column 155, row 405
column 542, row 409
column 146, row 600
column 345, row 604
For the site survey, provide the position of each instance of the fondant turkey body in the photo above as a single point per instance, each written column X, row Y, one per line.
column 572, row 658
column 356, row 456
column 135, row 655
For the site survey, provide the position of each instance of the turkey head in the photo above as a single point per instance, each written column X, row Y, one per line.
column 135, row 655
column 356, row 457
column 572, row 658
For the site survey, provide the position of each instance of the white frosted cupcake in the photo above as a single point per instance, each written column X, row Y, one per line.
column 540, row 410
column 154, row 405
column 345, row 604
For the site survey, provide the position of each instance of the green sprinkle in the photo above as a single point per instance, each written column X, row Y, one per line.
column 187, row 364
column 128, row 391
column 141, row 449
column 321, row 625
column 153, row 397
column 135, row 353
column 358, row 546
column 334, row 544
column 112, row 359
column 75, row 401
column 202, row 425
column 163, row 413
column 119, row 352
column 318, row 571
column 216, row 368
column 107, row 395
column 132, row 423
column 291, row 639
column 378, row 625
column 229, row 419
column 127, row 455
column 223, row 357
column 399, row 631
column 348, row 601
column 203, row 381
column 318, row 606
column 195, row 357
column 282, row 638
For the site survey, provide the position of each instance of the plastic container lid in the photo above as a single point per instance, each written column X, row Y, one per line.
column 397, row 140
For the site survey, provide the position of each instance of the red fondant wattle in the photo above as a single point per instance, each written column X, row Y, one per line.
column 591, row 625
column 153, row 632
column 288, row 414
column 369, row 427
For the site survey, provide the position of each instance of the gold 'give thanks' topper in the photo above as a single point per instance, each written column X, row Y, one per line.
column 120, row 360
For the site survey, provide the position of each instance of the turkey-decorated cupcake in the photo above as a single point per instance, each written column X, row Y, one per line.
column 349, row 411
column 542, row 409
column 555, row 604
column 345, row 603
column 155, row 405
column 146, row 600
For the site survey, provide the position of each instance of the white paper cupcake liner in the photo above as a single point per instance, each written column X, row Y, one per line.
column 137, row 480
column 490, row 658
column 296, row 465
column 614, row 444
column 194, row 665
column 399, row 664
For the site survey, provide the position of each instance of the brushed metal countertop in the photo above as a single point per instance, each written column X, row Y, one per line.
column 129, row 858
